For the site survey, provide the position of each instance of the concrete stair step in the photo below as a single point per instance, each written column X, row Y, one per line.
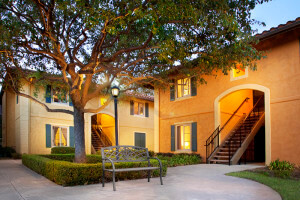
column 219, row 161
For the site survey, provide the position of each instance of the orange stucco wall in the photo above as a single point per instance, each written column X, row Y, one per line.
column 279, row 73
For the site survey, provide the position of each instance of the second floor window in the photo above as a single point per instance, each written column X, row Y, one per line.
column 238, row 73
column 183, row 87
column 139, row 108
column 59, row 96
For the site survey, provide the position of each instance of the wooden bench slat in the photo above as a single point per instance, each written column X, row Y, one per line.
column 132, row 169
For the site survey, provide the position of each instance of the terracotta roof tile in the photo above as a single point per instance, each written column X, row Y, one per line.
column 279, row 28
column 140, row 95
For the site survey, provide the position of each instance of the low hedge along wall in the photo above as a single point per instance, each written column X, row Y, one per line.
column 62, row 150
column 68, row 174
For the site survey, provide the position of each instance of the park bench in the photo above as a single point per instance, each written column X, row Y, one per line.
column 124, row 153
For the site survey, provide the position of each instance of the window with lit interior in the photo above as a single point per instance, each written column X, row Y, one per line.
column 59, row 136
column 183, row 137
column 139, row 108
column 183, row 87
column 59, row 96
column 239, row 72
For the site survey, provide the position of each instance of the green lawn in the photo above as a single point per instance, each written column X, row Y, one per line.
column 288, row 189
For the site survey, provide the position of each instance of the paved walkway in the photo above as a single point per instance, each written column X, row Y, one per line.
column 188, row 182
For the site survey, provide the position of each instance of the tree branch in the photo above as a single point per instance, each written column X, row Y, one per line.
column 44, row 105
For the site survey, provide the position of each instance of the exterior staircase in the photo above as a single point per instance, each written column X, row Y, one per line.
column 99, row 139
column 237, row 141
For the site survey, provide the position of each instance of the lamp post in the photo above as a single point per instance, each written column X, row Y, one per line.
column 115, row 93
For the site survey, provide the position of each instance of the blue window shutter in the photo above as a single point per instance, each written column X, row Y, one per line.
column 70, row 101
column 48, row 135
column 131, row 107
column 193, row 86
column 147, row 109
column 172, row 137
column 172, row 92
column 194, row 136
column 72, row 136
column 48, row 94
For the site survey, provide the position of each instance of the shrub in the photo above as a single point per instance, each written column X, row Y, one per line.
column 62, row 150
column 16, row 156
column 151, row 153
column 70, row 157
column 180, row 159
column 282, row 169
column 7, row 151
column 68, row 173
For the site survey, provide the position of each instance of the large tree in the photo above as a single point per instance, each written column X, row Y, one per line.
column 88, row 44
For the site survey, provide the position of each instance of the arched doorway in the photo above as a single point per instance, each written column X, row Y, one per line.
column 103, row 131
column 227, row 102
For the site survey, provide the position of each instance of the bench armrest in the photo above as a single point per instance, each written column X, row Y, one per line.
column 157, row 160
column 112, row 163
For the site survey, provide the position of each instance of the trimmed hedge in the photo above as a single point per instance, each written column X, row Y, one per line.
column 180, row 159
column 176, row 159
column 71, row 157
column 68, row 174
column 62, row 150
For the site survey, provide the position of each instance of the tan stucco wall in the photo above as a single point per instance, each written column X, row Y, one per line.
column 26, row 127
column 278, row 74
column 128, row 124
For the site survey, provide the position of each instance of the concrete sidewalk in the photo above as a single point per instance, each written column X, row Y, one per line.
column 187, row 182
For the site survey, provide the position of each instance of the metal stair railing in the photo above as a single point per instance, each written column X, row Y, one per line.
column 212, row 143
column 102, row 137
column 253, row 112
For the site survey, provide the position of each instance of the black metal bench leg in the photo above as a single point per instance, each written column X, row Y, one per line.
column 114, row 184
column 161, row 181
column 148, row 175
column 103, row 175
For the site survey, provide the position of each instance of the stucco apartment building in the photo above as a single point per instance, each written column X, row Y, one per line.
column 29, row 128
column 251, row 115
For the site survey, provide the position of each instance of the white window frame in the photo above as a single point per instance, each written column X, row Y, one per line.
column 52, row 134
column 232, row 78
column 139, row 102
column 59, row 103
column 176, row 138
column 183, row 96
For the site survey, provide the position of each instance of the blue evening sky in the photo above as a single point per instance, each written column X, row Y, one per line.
column 275, row 12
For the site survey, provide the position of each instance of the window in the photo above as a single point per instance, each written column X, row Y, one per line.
column 183, row 137
column 139, row 108
column 238, row 73
column 102, row 101
column 183, row 87
column 139, row 139
column 59, row 96
column 59, row 136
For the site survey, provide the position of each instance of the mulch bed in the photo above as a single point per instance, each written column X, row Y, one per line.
column 264, row 170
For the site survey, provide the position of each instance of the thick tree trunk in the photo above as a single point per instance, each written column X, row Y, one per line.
column 80, row 155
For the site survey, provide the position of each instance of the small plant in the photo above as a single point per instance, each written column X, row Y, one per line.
column 282, row 169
